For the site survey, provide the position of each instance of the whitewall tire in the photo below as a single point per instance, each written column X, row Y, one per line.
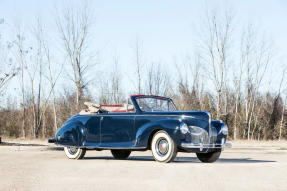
column 74, row 153
column 163, row 147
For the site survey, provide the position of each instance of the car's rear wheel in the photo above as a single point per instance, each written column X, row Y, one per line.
column 163, row 147
column 120, row 154
column 208, row 157
column 74, row 153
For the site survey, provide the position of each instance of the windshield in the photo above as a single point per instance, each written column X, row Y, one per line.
column 155, row 104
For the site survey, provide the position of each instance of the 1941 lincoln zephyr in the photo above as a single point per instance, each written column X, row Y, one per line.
column 145, row 122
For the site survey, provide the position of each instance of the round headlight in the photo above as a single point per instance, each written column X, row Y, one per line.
column 224, row 130
column 183, row 128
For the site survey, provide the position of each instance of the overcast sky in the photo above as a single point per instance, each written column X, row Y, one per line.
column 166, row 28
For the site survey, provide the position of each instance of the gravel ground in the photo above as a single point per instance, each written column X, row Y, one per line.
column 247, row 166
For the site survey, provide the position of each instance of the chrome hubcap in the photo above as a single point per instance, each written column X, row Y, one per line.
column 72, row 150
column 162, row 147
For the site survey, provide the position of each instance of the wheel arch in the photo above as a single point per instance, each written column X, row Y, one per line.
column 145, row 133
column 151, row 136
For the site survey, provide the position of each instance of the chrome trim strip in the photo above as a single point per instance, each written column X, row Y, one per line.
column 99, row 147
column 113, row 115
column 205, row 146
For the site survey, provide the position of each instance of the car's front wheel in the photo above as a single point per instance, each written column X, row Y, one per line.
column 163, row 147
column 208, row 157
column 74, row 153
column 120, row 154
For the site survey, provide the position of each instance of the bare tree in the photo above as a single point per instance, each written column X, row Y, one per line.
column 116, row 90
column 157, row 80
column 215, row 44
column 53, row 77
column 139, row 64
column 257, row 57
column 36, row 70
column 189, row 87
column 104, row 92
column 282, row 118
column 238, row 81
column 283, row 104
column 21, row 60
column 7, row 68
column 74, row 27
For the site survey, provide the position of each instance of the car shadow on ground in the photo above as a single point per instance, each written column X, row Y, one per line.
column 20, row 144
column 225, row 160
column 53, row 148
column 184, row 159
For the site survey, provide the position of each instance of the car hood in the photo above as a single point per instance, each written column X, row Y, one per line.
column 204, row 115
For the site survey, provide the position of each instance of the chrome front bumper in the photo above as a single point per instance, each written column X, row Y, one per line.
column 202, row 146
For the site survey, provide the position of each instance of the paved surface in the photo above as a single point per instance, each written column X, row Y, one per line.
column 42, row 168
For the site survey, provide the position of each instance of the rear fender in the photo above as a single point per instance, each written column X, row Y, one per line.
column 71, row 134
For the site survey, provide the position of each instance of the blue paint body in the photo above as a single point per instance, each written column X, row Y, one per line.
column 134, row 131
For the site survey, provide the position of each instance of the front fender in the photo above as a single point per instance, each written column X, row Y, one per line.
column 216, row 133
column 71, row 133
column 144, row 133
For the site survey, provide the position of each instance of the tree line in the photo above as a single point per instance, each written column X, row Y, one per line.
column 225, row 76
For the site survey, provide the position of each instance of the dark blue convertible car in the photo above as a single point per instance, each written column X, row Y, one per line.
column 145, row 122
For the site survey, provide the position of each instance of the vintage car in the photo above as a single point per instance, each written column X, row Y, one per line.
column 145, row 122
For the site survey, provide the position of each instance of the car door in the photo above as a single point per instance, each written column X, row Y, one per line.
column 117, row 130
